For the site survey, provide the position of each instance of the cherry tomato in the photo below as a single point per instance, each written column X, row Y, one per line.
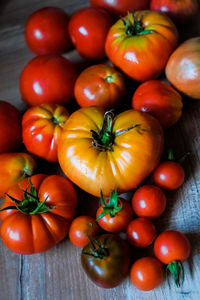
column 48, row 79
column 46, row 31
column 88, row 28
column 82, row 229
column 147, row 273
column 149, row 201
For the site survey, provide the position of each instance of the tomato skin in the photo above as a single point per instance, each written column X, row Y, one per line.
column 46, row 31
column 137, row 55
column 169, row 175
column 29, row 234
column 10, row 124
column 100, row 85
column 88, row 28
column 160, row 100
column 48, row 79
column 41, row 129
column 172, row 245
column 81, row 228
column 149, row 201
column 147, row 273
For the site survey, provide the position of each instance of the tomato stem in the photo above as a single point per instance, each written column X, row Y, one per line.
column 100, row 253
column 134, row 28
column 111, row 207
column 176, row 269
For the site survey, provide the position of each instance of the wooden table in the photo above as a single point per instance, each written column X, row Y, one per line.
column 57, row 274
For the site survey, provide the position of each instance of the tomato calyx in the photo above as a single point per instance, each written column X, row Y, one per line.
column 135, row 28
column 109, row 78
column 99, row 251
column 176, row 269
column 111, row 206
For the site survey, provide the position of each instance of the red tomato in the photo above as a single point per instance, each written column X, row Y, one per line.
column 100, row 85
column 149, row 201
column 169, row 175
column 160, row 100
column 46, row 205
column 141, row 232
column 41, row 129
column 147, row 273
column 10, row 125
column 82, row 229
column 88, row 28
column 46, row 31
column 48, row 79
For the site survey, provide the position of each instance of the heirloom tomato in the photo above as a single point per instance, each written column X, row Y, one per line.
column 141, row 43
column 36, row 213
column 98, row 151
column 41, row 129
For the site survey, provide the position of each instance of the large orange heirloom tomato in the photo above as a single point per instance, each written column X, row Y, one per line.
column 99, row 152
column 36, row 213
column 141, row 43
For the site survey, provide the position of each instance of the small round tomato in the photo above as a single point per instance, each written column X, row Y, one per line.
column 149, row 201
column 100, row 85
column 169, row 175
column 41, row 129
column 10, row 125
column 46, row 31
column 141, row 232
column 48, row 79
column 160, row 100
column 147, row 273
column 82, row 229
column 88, row 28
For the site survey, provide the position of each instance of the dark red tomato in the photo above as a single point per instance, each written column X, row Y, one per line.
column 46, row 31
column 88, row 29
column 169, row 175
column 48, row 79
column 147, row 273
column 10, row 127
column 149, row 201
column 141, row 232
column 82, row 229
column 160, row 100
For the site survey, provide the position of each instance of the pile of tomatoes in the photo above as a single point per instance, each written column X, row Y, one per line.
column 102, row 153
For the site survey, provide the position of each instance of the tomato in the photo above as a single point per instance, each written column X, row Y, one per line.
column 46, row 31
column 106, row 260
column 183, row 69
column 48, row 79
column 39, row 217
column 100, row 85
column 135, row 43
column 41, row 129
column 88, row 28
column 99, row 152
column 141, row 232
column 14, row 168
column 82, row 229
column 160, row 100
column 10, row 124
column 147, row 273
column 169, row 175
column 149, row 201
column 115, row 214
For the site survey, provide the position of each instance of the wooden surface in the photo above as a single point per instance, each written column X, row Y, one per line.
column 57, row 274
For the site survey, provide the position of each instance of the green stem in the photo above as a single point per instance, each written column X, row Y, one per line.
column 175, row 268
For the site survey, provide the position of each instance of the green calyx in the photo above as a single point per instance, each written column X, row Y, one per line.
column 111, row 206
column 98, row 251
column 171, row 156
column 175, row 268
column 134, row 28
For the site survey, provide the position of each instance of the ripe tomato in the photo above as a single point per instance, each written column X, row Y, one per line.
column 88, row 28
column 10, row 124
column 160, row 100
column 147, row 273
column 141, row 232
column 100, row 85
column 46, row 31
column 48, row 79
column 82, row 229
column 41, row 129
column 169, row 175
column 149, row 201
column 99, row 152
column 39, row 217
column 135, row 42
column 106, row 260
